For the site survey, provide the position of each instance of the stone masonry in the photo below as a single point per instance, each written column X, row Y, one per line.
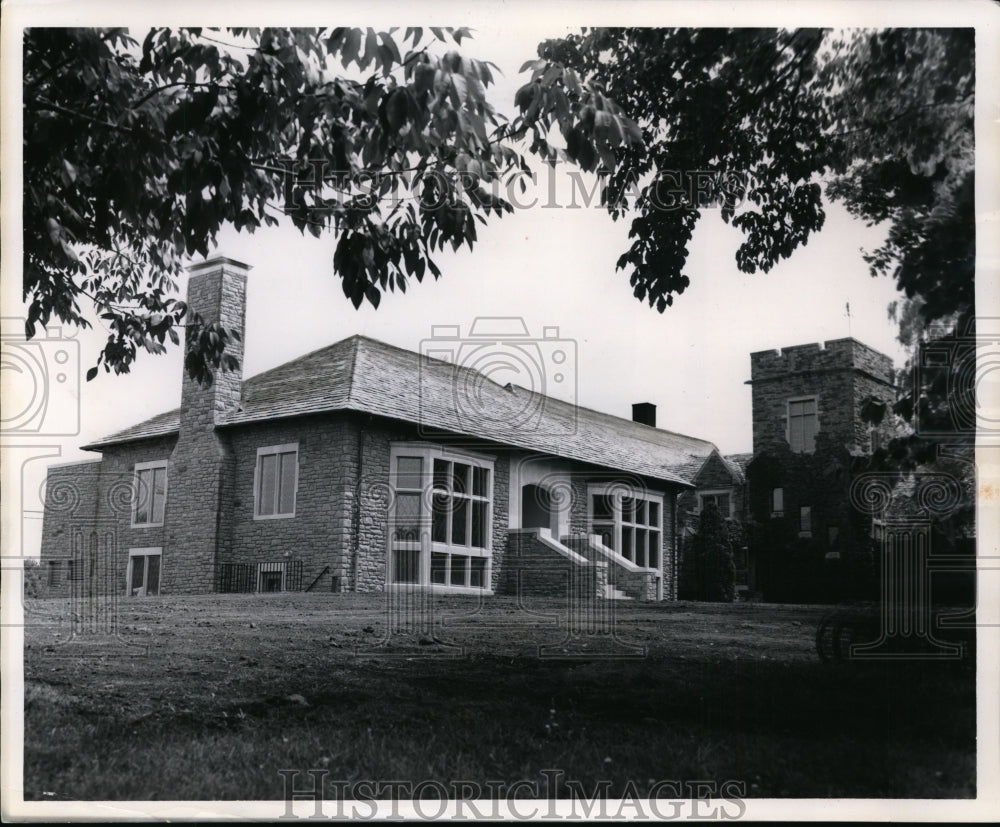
column 201, row 466
column 842, row 374
column 800, row 552
column 338, row 534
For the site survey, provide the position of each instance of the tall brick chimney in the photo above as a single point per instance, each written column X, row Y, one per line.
column 201, row 465
column 217, row 290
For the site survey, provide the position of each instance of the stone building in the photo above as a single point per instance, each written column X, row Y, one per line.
column 365, row 467
column 810, row 438
column 720, row 480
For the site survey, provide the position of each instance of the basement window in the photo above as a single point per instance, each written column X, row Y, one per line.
column 143, row 574
column 276, row 481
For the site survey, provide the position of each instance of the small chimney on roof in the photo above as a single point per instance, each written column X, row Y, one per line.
column 644, row 413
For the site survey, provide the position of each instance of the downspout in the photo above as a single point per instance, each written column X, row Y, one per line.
column 356, row 516
column 675, row 563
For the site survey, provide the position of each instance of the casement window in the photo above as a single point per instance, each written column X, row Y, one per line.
column 143, row 573
column 721, row 499
column 803, row 424
column 630, row 523
column 150, row 500
column 805, row 521
column 276, row 481
column 778, row 502
column 441, row 518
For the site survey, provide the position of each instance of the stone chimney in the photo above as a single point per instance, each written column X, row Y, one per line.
column 201, row 468
column 644, row 413
column 217, row 291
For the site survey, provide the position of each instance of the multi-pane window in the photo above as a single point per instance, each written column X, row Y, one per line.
column 54, row 572
column 778, row 502
column 720, row 499
column 441, row 518
column 276, row 481
column 150, row 494
column 802, row 425
column 629, row 524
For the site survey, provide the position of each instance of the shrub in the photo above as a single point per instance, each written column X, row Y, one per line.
column 708, row 571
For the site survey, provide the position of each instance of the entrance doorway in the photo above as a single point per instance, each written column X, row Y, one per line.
column 536, row 508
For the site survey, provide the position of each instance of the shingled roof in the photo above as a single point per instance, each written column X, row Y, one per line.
column 368, row 376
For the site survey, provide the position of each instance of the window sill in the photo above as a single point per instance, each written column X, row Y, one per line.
column 437, row 588
column 146, row 525
column 273, row 516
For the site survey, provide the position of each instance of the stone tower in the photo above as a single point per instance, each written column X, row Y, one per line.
column 809, row 438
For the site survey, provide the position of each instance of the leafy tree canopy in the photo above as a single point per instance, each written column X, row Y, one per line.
column 756, row 123
column 136, row 154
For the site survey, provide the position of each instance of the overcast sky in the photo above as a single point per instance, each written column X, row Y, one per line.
column 551, row 267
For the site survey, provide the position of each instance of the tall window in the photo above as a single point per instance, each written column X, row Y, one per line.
column 805, row 521
column 630, row 524
column 150, row 494
column 778, row 502
column 802, row 425
column 441, row 518
column 276, row 481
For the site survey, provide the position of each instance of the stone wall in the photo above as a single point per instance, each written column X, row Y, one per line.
column 534, row 570
column 318, row 535
column 71, row 502
column 98, row 496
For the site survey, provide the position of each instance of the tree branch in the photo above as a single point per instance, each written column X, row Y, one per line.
column 156, row 90
column 54, row 107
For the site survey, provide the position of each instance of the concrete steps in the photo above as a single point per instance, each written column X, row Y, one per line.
column 613, row 593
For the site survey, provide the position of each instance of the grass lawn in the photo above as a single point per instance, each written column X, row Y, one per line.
column 210, row 697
